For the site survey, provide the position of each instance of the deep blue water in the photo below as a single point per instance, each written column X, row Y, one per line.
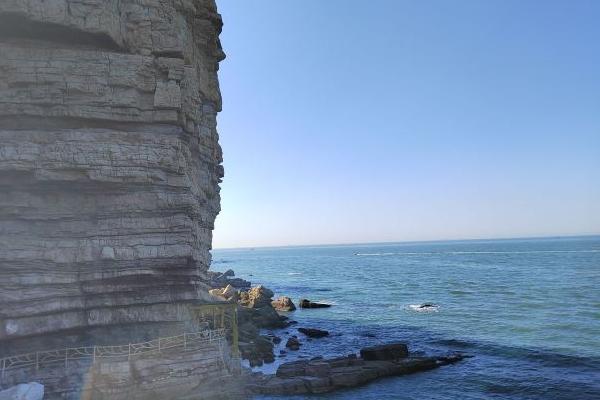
column 527, row 309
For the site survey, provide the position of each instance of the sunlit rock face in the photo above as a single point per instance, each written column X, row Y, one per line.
column 109, row 166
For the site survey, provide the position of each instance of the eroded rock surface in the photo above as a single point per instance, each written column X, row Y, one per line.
column 326, row 375
column 109, row 167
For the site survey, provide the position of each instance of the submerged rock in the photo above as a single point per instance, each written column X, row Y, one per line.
column 393, row 351
column 313, row 333
column 305, row 303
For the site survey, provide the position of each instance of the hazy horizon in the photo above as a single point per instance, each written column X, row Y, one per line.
column 366, row 244
column 408, row 121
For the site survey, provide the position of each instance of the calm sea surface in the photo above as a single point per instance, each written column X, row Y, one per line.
column 527, row 309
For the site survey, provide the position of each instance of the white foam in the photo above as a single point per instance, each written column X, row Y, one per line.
column 420, row 308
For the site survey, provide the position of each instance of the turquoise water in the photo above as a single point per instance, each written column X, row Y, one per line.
column 527, row 309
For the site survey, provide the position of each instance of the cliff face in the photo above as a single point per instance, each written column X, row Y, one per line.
column 109, row 165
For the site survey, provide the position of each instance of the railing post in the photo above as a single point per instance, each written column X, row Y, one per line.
column 37, row 360
column 94, row 355
column 234, row 333
column 3, row 368
column 184, row 341
column 129, row 351
column 159, row 345
column 66, row 358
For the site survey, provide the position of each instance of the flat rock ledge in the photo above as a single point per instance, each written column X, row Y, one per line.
column 326, row 375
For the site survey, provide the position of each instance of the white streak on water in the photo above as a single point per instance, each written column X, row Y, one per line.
column 473, row 252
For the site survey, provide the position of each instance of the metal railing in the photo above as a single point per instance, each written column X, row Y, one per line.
column 220, row 316
column 186, row 341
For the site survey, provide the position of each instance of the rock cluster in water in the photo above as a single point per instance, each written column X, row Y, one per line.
column 257, row 310
column 325, row 375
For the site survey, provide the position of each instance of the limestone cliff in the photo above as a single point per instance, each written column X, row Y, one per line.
column 109, row 166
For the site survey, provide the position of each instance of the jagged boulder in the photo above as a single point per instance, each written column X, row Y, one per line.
column 222, row 279
column 283, row 303
column 256, row 297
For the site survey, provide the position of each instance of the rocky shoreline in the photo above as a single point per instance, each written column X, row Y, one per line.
column 320, row 375
column 258, row 311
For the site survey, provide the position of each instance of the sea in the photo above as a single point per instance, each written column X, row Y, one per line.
column 527, row 310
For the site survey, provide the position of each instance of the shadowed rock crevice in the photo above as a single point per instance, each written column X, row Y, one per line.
column 15, row 27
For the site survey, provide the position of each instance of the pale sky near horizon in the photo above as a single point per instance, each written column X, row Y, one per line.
column 349, row 121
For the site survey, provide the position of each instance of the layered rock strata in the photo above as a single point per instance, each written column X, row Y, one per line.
column 109, row 167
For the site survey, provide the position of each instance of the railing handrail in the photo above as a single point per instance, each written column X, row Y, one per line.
column 39, row 358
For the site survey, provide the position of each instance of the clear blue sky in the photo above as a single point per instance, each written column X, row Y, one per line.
column 350, row 121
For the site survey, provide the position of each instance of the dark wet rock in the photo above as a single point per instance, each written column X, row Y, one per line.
column 274, row 338
column 313, row 333
column 320, row 375
column 257, row 351
column 293, row 343
column 317, row 368
column 291, row 369
column 283, row 303
column 305, row 303
column 384, row 352
column 267, row 317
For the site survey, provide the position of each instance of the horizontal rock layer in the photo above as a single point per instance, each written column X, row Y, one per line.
column 109, row 165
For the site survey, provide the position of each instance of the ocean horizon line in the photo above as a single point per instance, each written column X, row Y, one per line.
column 389, row 243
